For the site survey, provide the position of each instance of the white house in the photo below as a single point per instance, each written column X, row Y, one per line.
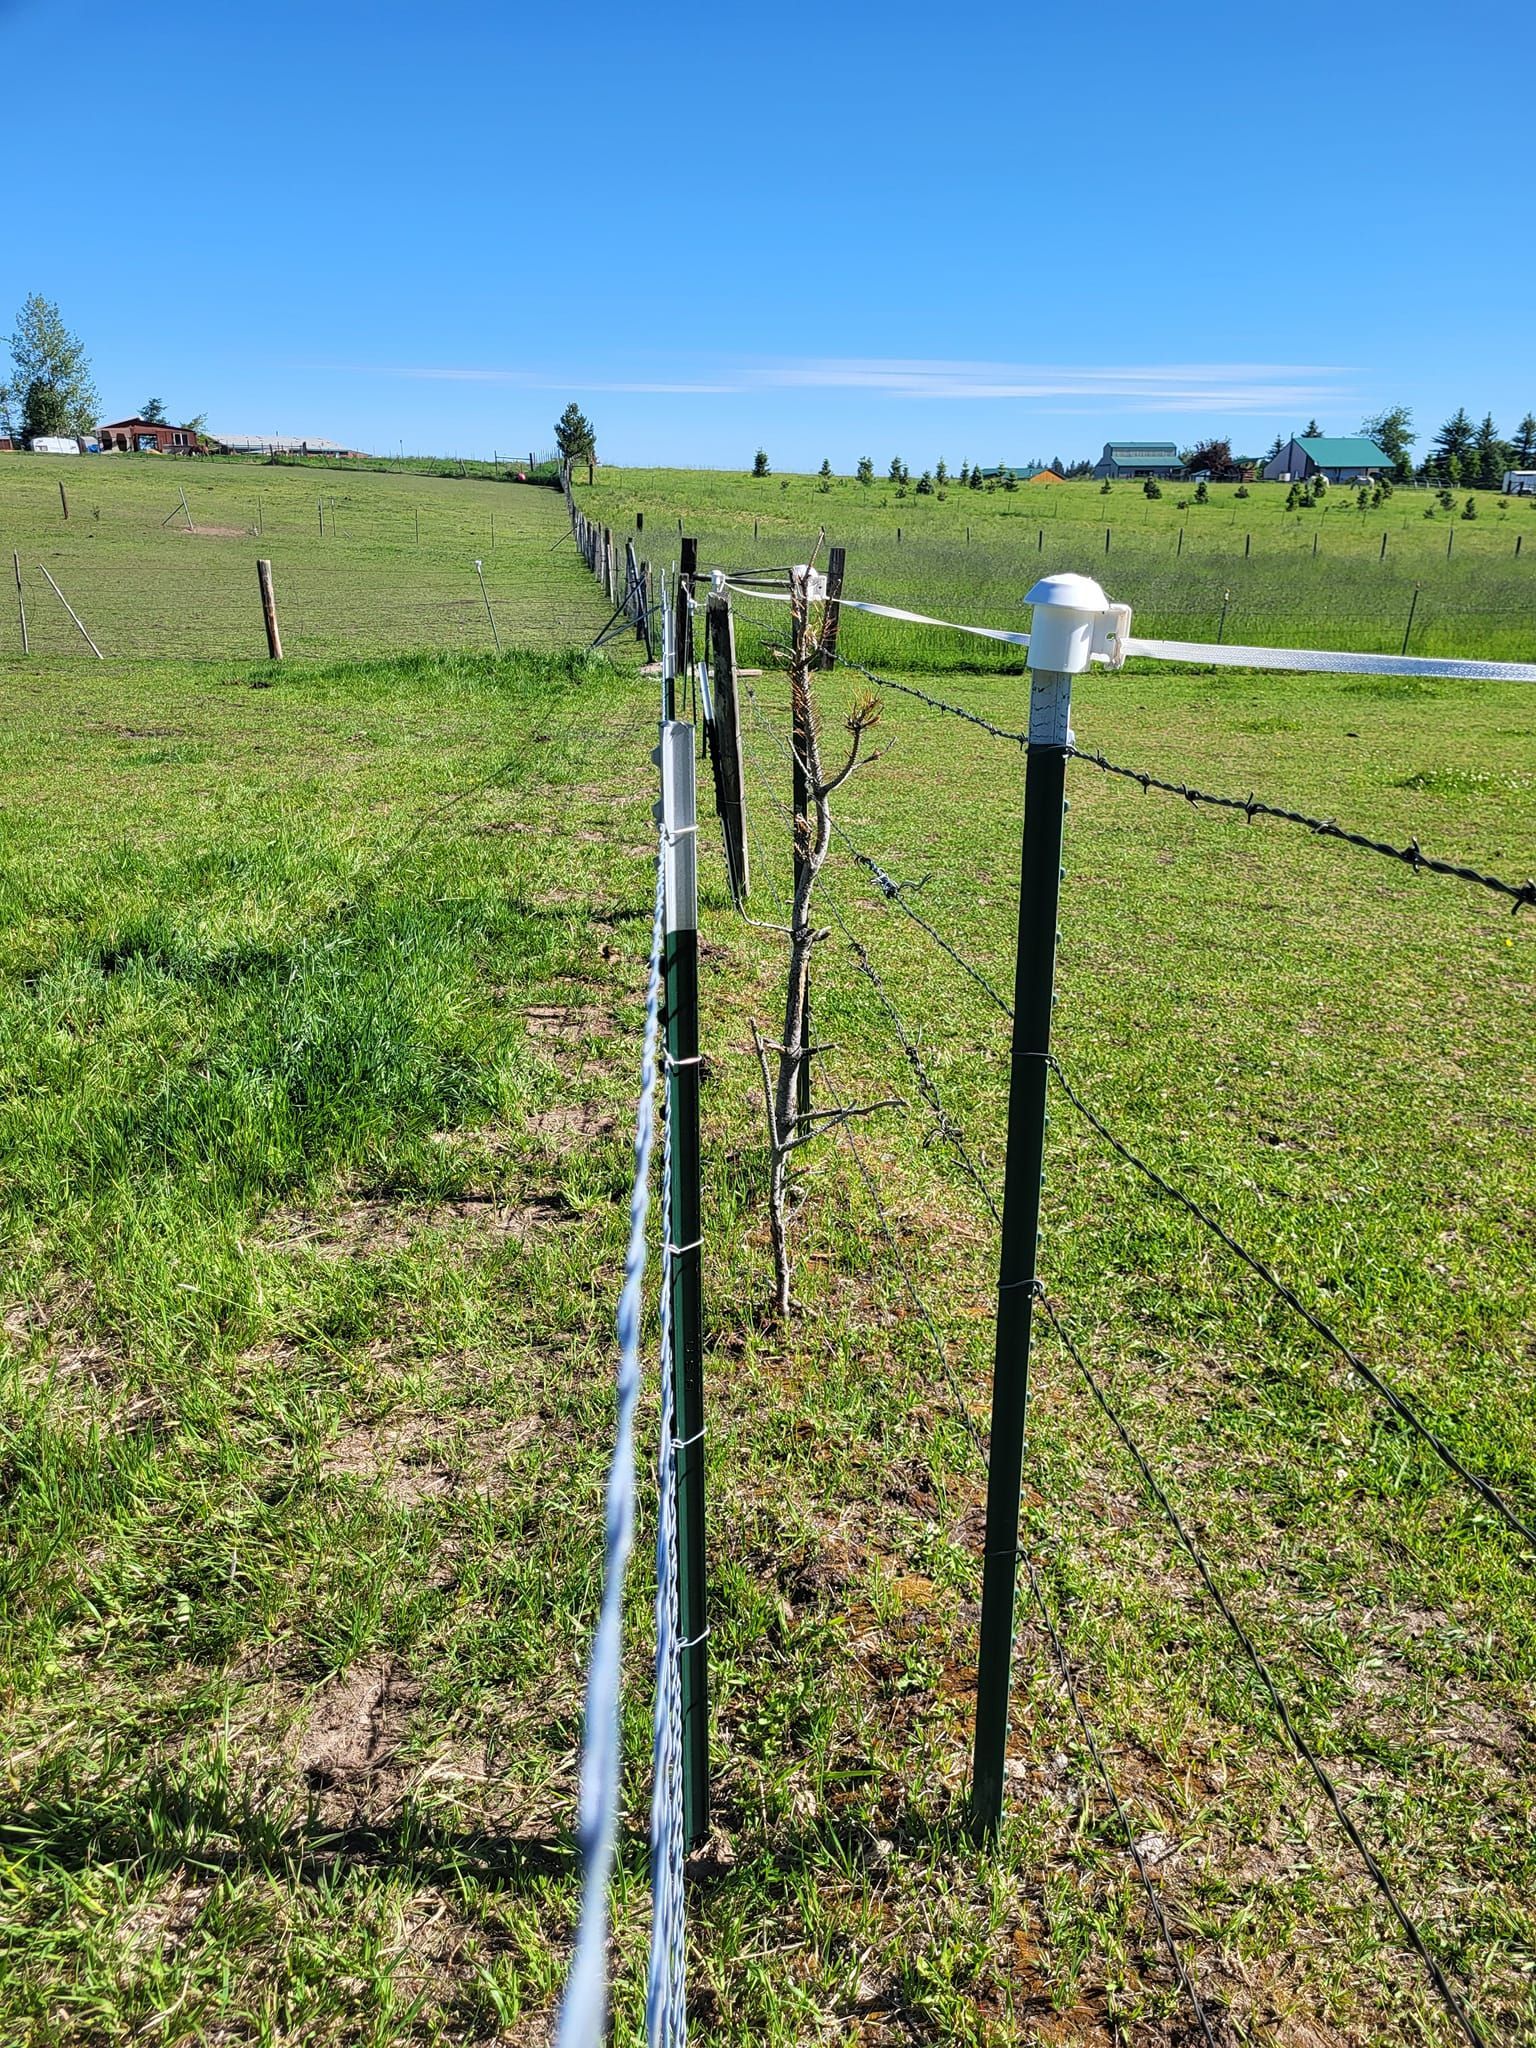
column 1341, row 458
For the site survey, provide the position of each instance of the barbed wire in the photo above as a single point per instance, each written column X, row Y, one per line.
column 927, row 1087
column 1032, row 1578
column 1400, row 1407
column 1412, row 855
column 1262, row 1672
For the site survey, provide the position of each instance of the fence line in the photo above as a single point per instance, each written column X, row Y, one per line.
column 948, row 1132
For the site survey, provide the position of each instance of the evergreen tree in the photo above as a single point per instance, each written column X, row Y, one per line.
column 1311, row 431
column 925, row 485
column 1525, row 443
column 977, row 479
column 965, row 475
column 51, row 388
column 941, row 474
column 760, row 463
column 898, row 470
column 825, row 471
column 1274, row 447
column 153, row 410
column 865, row 471
column 1490, row 456
column 575, row 436
column 1453, row 446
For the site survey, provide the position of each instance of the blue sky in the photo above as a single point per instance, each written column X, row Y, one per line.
column 980, row 232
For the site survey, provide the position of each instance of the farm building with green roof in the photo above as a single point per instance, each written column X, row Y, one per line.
column 1139, row 458
column 1341, row 458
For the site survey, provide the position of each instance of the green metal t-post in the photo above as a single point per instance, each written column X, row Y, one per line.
column 680, row 961
column 1071, row 621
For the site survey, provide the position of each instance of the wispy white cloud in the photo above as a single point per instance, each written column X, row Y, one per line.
column 1150, row 387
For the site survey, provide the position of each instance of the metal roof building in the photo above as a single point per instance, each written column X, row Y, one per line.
column 1139, row 458
column 1341, row 458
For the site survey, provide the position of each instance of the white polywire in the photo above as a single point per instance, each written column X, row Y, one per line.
column 890, row 611
column 666, row 2018
column 1302, row 660
column 1324, row 661
column 583, row 2011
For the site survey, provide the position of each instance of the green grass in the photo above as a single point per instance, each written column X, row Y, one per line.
column 319, row 1015
column 392, row 571
column 973, row 554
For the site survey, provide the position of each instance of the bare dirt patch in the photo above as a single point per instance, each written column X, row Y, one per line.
column 415, row 1458
column 568, row 1022
column 215, row 532
column 570, row 1124
column 369, row 1227
column 349, row 1750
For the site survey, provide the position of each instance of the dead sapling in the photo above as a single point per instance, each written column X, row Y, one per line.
column 790, row 1124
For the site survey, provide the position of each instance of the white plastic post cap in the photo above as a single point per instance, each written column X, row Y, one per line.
column 1076, row 593
column 1074, row 625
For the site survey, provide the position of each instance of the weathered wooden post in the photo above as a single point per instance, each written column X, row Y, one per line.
column 21, row 602
column 269, row 611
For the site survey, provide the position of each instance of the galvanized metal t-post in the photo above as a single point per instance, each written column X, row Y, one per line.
column 1073, row 622
column 680, row 962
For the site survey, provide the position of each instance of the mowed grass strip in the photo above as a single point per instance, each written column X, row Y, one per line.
column 321, row 1032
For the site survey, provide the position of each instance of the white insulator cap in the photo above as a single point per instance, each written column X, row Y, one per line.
column 1066, row 630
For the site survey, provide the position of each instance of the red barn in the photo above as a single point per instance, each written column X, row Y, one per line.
column 148, row 437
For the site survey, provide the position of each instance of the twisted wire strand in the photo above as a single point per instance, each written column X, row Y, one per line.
column 1261, row 1671
column 1032, row 1577
column 583, row 2010
column 1412, row 855
column 666, row 2017
column 1395, row 1401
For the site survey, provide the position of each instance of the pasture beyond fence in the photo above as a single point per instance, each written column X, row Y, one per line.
column 1074, row 629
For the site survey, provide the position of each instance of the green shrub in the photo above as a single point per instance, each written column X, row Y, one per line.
column 1202, row 492
column 1152, row 488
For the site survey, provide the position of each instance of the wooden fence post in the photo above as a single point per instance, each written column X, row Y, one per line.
column 21, row 602
column 269, row 611
column 63, row 497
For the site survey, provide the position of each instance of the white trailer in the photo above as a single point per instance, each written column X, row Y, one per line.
column 55, row 444
column 1519, row 483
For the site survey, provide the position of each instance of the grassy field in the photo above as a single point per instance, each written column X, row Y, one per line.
column 319, row 1010
column 392, row 569
column 973, row 554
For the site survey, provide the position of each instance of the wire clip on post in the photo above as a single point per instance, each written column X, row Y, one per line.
column 1074, row 625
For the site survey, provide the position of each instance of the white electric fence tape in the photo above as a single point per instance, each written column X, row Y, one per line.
column 1306, row 660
